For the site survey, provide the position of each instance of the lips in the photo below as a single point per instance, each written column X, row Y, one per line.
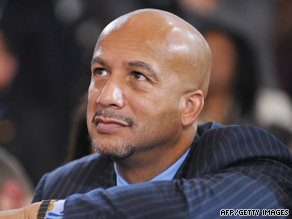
column 108, row 125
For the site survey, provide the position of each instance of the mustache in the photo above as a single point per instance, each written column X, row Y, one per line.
column 105, row 114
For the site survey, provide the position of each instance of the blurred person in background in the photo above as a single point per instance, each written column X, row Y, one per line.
column 39, row 99
column 8, row 68
column 251, row 19
column 8, row 71
column 235, row 96
column 16, row 188
column 283, row 39
column 233, row 81
column 79, row 140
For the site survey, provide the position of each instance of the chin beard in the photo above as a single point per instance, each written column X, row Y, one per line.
column 114, row 152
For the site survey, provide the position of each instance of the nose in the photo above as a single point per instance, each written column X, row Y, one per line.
column 111, row 95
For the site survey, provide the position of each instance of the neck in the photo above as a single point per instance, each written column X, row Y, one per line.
column 145, row 165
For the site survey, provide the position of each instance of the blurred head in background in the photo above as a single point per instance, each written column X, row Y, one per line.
column 234, row 95
column 233, row 82
column 16, row 189
column 79, row 141
column 8, row 63
column 8, row 69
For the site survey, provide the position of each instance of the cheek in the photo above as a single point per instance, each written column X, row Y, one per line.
column 154, row 108
column 92, row 103
column 158, row 122
column 93, row 93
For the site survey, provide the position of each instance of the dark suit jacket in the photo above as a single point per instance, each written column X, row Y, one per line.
column 228, row 167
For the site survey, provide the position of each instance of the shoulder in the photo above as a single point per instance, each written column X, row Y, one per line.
column 245, row 150
column 93, row 162
column 222, row 145
column 77, row 176
column 245, row 136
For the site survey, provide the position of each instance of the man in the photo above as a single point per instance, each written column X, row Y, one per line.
column 150, row 74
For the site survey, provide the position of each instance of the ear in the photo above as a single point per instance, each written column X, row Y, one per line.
column 191, row 106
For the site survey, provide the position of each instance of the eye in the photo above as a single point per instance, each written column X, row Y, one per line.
column 138, row 76
column 100, row 71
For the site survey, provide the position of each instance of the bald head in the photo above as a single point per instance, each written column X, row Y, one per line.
column 178, row 43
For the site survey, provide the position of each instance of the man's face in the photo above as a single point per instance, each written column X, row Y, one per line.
column 134, row 96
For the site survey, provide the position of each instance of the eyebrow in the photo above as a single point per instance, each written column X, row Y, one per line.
column 98, row 60
column 144, row 65
column 138, row 64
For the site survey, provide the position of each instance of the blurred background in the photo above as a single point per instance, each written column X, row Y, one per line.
column 46, row 49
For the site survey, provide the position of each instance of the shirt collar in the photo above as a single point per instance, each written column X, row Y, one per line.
column 167, row 174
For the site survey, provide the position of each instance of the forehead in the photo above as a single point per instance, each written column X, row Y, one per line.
column 126, row 45
column 164, row 43
column 132, row 38
column 125, row 50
